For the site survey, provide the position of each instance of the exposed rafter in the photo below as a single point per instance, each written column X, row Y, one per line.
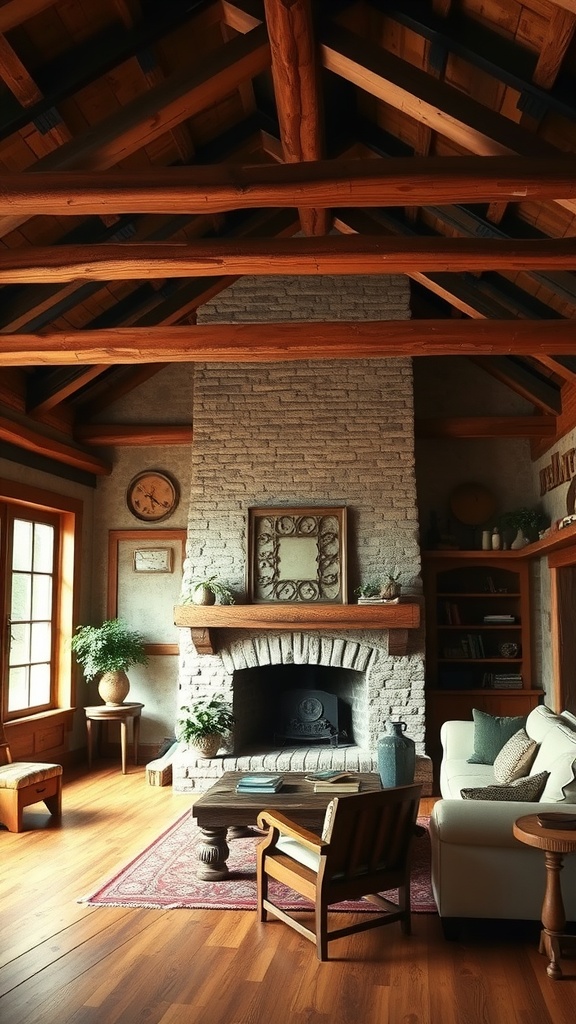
column 348, row 255
column 284, row 341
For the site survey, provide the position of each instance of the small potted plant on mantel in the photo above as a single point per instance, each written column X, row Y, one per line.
column 203, row 723
column 206, row 591
column 391, row 588
column 387, row 589
column 108, row 650
column 527, row 522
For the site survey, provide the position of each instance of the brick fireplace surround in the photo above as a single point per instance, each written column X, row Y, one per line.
column 311, row 433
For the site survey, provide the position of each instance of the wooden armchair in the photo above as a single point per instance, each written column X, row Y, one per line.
column 364, row 850
column 26, row 782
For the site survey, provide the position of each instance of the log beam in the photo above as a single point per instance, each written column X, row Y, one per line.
column 295, row 75
column 351, row 254
column 278, row 342
column 16, row 433
column 398, row 181
column 125, row 435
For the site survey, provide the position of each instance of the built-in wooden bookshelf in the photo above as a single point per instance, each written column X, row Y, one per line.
column 478, row 637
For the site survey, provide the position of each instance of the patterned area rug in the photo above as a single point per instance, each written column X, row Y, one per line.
column 163, row 877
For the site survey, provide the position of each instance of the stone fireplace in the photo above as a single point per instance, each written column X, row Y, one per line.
column 311, row 433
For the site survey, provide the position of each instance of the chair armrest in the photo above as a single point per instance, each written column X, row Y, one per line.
column 284, row 826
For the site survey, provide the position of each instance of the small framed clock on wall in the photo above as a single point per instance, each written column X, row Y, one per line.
column 152, row 496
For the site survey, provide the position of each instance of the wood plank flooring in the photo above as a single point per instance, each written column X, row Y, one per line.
column 64, row 963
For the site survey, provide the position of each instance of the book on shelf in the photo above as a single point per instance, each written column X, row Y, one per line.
column 499, row 620
column 337, row 787
column 259, row 784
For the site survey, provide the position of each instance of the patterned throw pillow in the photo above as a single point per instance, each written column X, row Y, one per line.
column 491, row 732
column 515, row 759
column 530, row 788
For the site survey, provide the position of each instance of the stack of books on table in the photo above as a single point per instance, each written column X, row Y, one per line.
column 334, row 782
column 259, row 784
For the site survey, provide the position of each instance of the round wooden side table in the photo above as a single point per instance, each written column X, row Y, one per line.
column 122, row 713
column 555, row 842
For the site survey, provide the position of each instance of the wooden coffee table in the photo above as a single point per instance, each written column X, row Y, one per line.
column 223, row 814
column 555, row 843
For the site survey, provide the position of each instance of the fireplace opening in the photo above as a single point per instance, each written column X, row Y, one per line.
column 298, row 705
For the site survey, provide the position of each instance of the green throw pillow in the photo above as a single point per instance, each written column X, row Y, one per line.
column 491, row 732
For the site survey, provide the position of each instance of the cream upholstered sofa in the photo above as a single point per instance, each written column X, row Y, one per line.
column 479, row 870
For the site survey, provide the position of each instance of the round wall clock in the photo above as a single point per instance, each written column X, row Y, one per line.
column 152, row 496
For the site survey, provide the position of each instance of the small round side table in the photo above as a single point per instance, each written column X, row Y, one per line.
column 555, row 842
column 116, row 713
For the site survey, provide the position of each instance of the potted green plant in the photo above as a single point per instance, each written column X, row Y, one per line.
column 371, row 589
column 527, row 522
column 108, row 650
column 202, row 724
column 206, row 591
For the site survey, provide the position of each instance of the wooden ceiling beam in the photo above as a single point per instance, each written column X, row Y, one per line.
column 118, row 382
column 523, row 381
column 295, row 76
column 274, row 342
column 23, row 436
column 474, row 296
column 45, row 394
column 397, row 181
column 485, row 426
column 126, row 435
column 562, row 366
column 411, row 91
column 151, row 115
column 350, row 254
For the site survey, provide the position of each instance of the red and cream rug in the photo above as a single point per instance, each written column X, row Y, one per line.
column 163, row 877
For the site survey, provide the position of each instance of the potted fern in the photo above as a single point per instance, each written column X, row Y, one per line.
column 206, row 591
column 108, row 650
column 202, row 724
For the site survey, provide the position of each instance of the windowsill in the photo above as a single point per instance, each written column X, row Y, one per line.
column 52, row 714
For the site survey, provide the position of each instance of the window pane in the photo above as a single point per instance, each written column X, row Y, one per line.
column 43, row 547
column 41, row 597
column 17, row 689
column 21, row 596
column 20, row 643
column 22, row 553
column 39, row 684
column 40, row 646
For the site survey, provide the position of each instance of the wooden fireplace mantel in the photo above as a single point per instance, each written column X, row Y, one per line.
column 204, row 619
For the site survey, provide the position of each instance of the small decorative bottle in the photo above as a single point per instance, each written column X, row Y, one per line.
column 496, row 539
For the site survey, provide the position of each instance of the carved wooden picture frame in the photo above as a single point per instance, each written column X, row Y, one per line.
column 297, row 555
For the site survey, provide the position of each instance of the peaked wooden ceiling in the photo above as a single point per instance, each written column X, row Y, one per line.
column 150, row 153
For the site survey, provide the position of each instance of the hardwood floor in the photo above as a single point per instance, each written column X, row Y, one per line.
column 64, row 963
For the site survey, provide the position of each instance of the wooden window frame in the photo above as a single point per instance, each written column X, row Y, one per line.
column 69, row 513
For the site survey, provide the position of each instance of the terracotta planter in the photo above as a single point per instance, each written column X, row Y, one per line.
column 114, row 687
column 206, row 746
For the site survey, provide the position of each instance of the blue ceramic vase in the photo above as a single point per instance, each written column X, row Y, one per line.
column 396, row 756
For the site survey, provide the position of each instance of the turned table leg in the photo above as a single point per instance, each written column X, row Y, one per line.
column 553, row 915
column 212, row 853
